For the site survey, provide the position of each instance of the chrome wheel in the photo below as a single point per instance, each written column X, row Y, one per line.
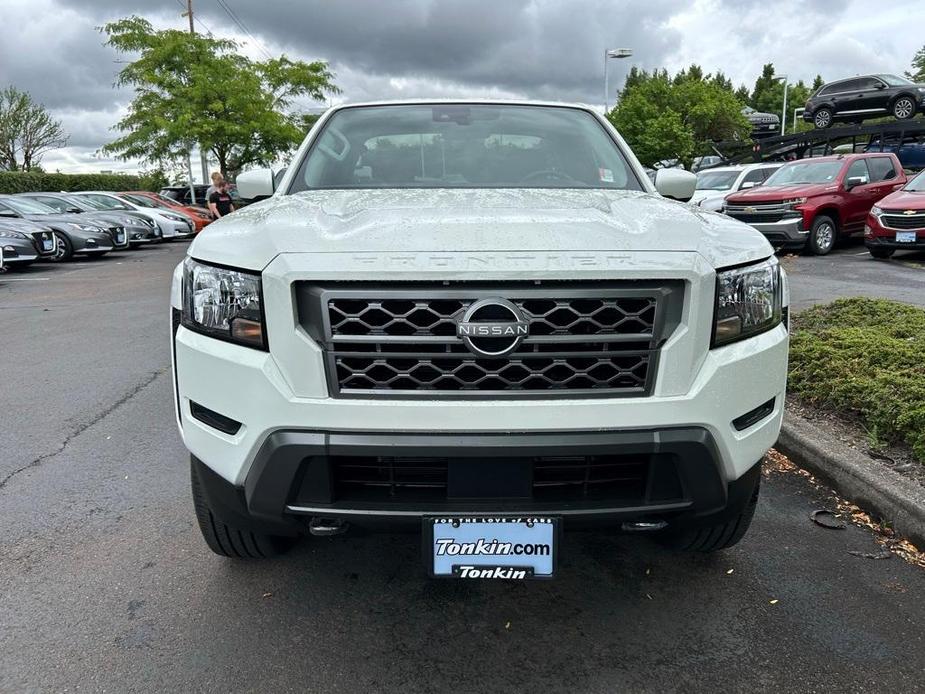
column 823, row 118
column 62, row 250
column 825, row 237
column 904, row 108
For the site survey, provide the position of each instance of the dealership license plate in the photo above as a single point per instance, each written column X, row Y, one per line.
column 120, row 238
column 47, row 244
column 504, row 547
column 905, row 237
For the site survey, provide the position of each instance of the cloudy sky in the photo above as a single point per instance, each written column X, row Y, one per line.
column 409, row 48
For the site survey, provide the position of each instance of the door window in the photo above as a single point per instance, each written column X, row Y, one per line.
column 858, row 169
column 881, row 169
column 755, row 177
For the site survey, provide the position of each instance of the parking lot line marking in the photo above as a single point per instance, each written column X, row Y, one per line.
column 24, row 279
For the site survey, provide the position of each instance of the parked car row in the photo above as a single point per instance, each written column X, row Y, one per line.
column 812, row 203
column 59, row 226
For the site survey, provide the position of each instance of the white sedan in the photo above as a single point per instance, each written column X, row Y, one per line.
column 173, row 225
column 713, row 185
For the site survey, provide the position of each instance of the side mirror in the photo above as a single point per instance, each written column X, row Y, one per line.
column 256, row 184
column 854, row 182
column 676, row 184
column 74, row 210
column 748, row 184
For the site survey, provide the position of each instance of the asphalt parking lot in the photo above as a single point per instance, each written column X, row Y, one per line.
column 106, row 585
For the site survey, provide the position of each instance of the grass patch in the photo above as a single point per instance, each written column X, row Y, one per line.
column 864, row 357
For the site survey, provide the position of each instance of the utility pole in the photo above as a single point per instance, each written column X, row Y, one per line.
column 202, row 153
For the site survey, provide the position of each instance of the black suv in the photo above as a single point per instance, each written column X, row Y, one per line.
column 870, row 96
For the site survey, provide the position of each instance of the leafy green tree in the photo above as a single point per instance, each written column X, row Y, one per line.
column 27, row 131
column 743, row 95
column 817, row 84
column 193, row 89
column 665, row 117
column 917, row 73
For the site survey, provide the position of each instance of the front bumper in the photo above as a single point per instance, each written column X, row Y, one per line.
column 294, row 479
column 786, row 233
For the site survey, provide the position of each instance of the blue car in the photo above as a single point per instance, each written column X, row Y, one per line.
column 911, row 152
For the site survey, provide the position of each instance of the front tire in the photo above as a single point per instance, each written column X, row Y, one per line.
column 713, row 538
column 227, row 540
column 823, row 118
column 65, row 249
column 882, row 253
column 904, row 108
column 822, row 235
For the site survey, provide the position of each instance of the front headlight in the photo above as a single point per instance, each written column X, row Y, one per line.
column 748, row 301
column 87, row 227
column 223, row 303
column 173, row 217
column 876, row 211
column 10, row 234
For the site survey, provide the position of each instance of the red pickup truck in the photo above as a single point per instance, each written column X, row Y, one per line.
column 810, row 203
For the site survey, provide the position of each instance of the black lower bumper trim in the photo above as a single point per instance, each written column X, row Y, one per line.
column 291, row 478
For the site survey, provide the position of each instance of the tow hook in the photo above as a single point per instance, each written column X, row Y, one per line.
column 327, row 527
column 643, row 526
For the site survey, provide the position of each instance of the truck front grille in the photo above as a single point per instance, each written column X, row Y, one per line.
column 758, row 214
column 594, row 338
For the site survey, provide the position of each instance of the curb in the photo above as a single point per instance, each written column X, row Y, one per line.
column 857, row 477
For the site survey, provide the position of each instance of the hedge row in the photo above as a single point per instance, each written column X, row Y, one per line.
column 864, row 357
column 17, row 182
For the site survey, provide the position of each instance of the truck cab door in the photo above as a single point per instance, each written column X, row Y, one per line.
column 859, row 195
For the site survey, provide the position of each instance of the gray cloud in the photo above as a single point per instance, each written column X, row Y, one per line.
column 549, row 49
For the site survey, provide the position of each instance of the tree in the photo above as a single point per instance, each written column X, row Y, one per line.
column 27, row 131
column 665, row 117
column 197, row 89
column 917, row 74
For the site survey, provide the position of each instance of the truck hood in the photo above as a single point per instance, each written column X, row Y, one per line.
column 777, row 193
column 903, row 200
column 473, row 220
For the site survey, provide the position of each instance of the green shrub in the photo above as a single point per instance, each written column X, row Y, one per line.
column 864, row 357
column 18, row 182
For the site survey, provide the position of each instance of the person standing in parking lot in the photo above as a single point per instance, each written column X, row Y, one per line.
column 220, row 201
column 217, row 178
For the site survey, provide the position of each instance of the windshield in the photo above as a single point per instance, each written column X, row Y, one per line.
column 716, row 180
column 142, row 200
column 23, row 206
column 805, row 172
column 917, row 184
column 464, row 146
column 85, row 204
column 105, row 202
column 895, row 81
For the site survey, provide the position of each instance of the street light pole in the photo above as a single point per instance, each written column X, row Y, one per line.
column 783, row 113
column 608, row 54
column 203, row 160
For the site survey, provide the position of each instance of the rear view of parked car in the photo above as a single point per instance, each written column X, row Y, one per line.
column 858, row 98
column 897, row 222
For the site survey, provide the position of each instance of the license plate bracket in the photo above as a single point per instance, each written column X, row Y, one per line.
column 491, row 546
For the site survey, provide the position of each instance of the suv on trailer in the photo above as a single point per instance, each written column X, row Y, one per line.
column 479, row 320
column 859, row 98
column 810, row 203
